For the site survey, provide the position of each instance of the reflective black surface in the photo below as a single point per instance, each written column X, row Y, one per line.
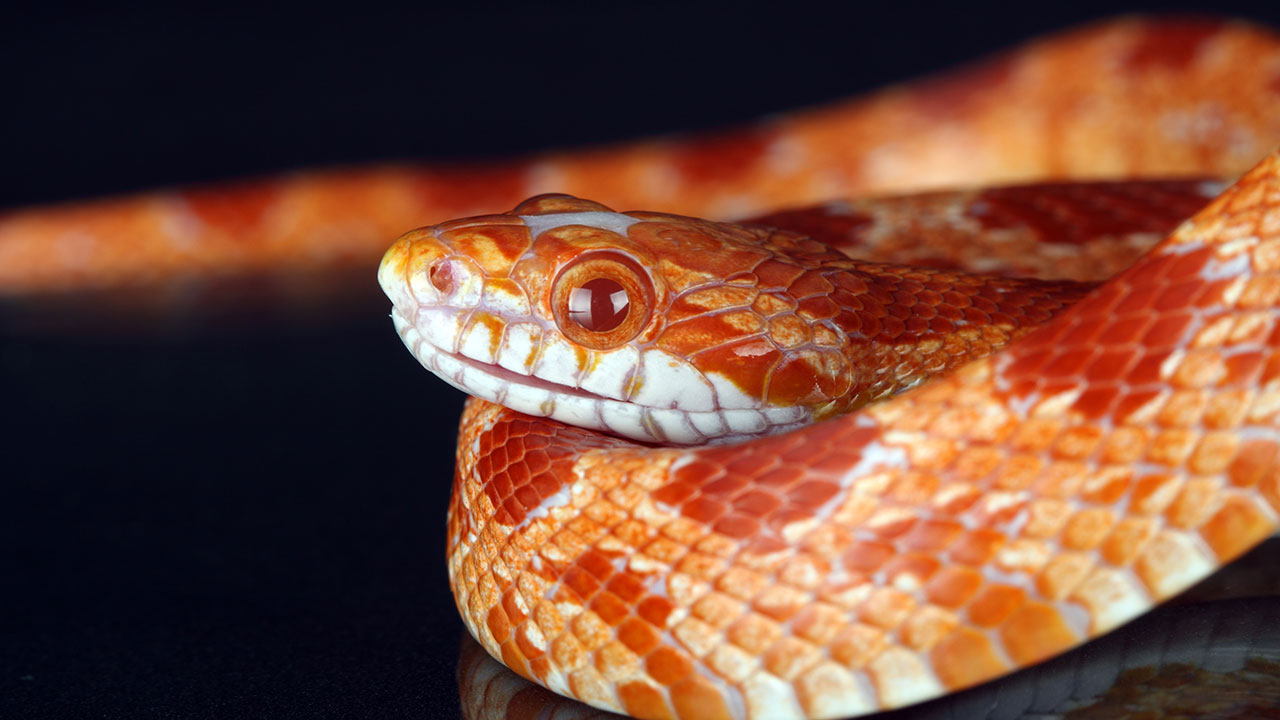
column 227, row 500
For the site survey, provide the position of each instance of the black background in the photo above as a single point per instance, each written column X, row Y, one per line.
column 212, row 509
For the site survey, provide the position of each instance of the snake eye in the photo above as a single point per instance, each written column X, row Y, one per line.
column 602, row 300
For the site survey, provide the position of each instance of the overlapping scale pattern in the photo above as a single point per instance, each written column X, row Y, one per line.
column 977, row 524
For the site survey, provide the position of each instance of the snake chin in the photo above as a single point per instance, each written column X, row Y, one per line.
column 574, row 406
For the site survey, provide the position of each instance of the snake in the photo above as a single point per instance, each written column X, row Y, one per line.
column 944, row 521
column 718, row 470
column 683, row 494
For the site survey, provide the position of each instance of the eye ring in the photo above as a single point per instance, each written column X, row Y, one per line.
column 602, row 300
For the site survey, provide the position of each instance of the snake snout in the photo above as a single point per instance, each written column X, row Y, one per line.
column 419, row 271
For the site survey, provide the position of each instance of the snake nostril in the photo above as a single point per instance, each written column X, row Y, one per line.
column 441, row 277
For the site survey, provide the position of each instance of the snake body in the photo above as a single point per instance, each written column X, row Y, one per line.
column 988, row 519
column 1004, row 508
column 1123, row 98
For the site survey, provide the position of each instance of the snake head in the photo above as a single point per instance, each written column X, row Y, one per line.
column 636, row 324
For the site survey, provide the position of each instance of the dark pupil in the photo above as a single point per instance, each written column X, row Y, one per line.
column 600, row 305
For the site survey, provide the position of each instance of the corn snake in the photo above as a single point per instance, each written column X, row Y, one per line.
column 990, row 519
column 508, row 205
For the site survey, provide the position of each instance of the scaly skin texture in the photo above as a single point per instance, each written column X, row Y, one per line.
column 1124, row 98
column 727, row 317
column 984, row 521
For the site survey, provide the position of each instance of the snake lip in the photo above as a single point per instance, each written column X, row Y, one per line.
column 572, row 405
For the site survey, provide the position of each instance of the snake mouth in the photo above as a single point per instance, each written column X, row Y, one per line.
column 539, row 397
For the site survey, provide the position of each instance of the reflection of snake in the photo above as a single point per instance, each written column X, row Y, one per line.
column 991, row 518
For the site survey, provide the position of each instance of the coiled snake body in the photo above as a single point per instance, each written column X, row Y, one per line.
column 993, row 516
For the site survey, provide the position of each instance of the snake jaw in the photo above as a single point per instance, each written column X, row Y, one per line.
column 432, row 336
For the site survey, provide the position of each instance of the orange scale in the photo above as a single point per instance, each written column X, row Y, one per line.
column 675, row 493
column 514, row 615
column 955, row 299
column 704, row 510
column 725, row 486
column 514, row 659
column 976, row 316
column 638, row 635
column 1124, row 331
column 517, row 473
column 596, row 563
column 1127, row 539
column 1177, row 296
column 870, row 325
column 1138, row 299
column 942, row 325
column 545, row 485
column 499, row 626
column 757, row 503
column 581, row 582
column 1004, row 319
column 904, row 299
column 1187, row 265
column 530, row 651
column 976, row 547
column 496, row 436
column 527, row 497
column 1167, row 331
column 655, row 610
column 1210, row 294
column 499, row 487
column 867, row 556
column 1028, row 364
column 610, row 608
column 995, row 603
column 695, row 697
column 927, row 310
column 738, row 527
column 812, row 494
column 1238, row 525
column 667, row 665
column 1133, row 402
column 537, row 461
column 1068, row 364
column 773, row 274
column 891, row 330
column 1271, row 369
column 1110, row 365
column 917, row 565
column 809, row 284
column 1242, row 369
column 984, row 303
column 1034, row 632
column 966, row 657
column 952, row 586
column 933, row 534
column 511, row 513
column 484, row 468
column 1096, row 402
column 849, row 283
column 787, row 516
column 698, row 472
column 641, row 699
column 781, row 477
column 1107, row 487
column 817, row 308
column 1253, row 462
column 535, row 442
